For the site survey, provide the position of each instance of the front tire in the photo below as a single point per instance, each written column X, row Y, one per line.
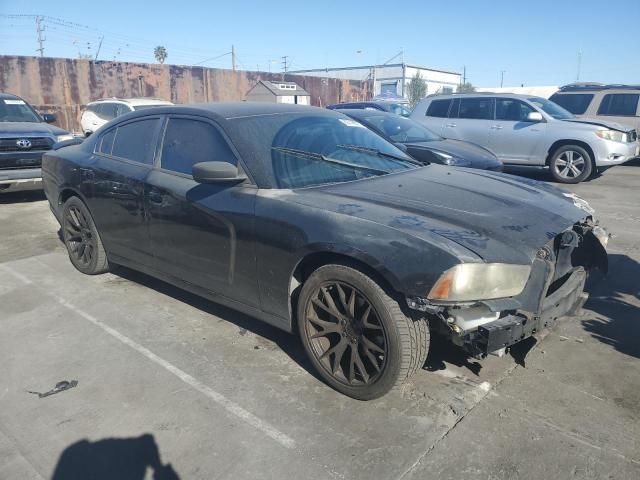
column 356, row 335
column 570, row 164
column 82, row 239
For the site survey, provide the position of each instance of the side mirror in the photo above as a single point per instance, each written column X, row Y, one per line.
column 534, row 117
column 48, row 117
column 401, row 146
column 216, row 172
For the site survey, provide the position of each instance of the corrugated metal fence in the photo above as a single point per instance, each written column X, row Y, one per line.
column 63, row 86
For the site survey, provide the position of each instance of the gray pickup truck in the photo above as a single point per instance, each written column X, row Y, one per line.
column 25, row 136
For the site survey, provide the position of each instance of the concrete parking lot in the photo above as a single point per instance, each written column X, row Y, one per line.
column 172, row 384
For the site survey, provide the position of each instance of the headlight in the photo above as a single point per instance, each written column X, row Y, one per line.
column 602, row 235
column 480, row 281
column 613, row 135
column 450, row 159
column 62, row 138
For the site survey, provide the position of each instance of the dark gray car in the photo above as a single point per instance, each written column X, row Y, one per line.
column 424, row 145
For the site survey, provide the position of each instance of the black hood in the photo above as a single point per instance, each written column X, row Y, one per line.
column 478, row 156
column 29, row 129
column 499, row 217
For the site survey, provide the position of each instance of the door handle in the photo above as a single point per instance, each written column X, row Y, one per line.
column 496, row 127
column 451, row 125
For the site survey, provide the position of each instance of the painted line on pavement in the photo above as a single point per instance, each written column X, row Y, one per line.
column 193, row 382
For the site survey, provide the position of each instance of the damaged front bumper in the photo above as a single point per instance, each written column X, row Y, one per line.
column 555, row 289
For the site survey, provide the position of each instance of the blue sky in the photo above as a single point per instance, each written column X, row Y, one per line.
column 536, row 43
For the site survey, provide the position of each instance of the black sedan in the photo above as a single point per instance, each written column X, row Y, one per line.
column 309, row 221
column 424, row 145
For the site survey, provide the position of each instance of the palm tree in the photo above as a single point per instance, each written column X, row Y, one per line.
column 160, row 53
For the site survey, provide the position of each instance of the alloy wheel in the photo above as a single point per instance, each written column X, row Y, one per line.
column 79, row 236
column 570, row 164
column 345, row 334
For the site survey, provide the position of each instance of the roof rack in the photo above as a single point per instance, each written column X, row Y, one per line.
column 581, row 86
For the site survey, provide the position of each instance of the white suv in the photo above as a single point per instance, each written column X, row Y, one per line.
column 102, row 111
column 528, row 131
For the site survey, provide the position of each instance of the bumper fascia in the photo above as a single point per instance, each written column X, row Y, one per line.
column 610, row 153
column 511, row 329
column 20, row 179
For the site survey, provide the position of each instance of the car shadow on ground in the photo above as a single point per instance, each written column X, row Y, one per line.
column 441, row 350
column 113, row 458
column 616, row 300
column 22, row 197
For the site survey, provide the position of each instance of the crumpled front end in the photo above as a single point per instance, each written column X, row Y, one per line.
column 555, row 289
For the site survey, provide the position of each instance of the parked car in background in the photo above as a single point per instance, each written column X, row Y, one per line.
column 102, row 111
column 617, row 103
column 382, row 105
column 424, row 145
column 311, row 222
column 24, row 136
column 529, row 131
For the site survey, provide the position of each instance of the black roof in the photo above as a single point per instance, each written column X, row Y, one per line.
column 362, row 113
column 230, row 110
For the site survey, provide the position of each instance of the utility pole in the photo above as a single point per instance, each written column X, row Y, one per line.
column 502, row 78
column 99, row 46
column 284, row 63
column 40, row 31
column 233, row 58
column 579, row 65
column 464, row 75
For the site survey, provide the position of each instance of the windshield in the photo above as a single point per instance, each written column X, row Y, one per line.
column 399, row 129
column 550, row 108
column 399, row 109
column 16, row 110
column 300, row 150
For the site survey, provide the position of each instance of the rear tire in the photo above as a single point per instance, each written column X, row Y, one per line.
column 356, row 336
column 82, row 239
column 570, row 164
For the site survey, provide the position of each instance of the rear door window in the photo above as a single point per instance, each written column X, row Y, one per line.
column 121, row 109
column 439, row 108
column 576, row 103
column 476, row 108
column 106, row 142
column 107, row 111
column 620, row 104
column 187, row 142
column 136, row 141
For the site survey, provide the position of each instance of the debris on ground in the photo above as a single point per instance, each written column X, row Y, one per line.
column 60, row 387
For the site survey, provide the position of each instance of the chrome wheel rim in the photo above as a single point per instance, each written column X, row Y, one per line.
column 570, row 164
column 345, row 334
column 78, row 236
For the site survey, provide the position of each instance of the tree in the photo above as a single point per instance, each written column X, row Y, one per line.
column 466, row 88
column 416, row 89
column 160, row 53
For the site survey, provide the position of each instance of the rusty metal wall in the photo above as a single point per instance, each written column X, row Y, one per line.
column 63, row 86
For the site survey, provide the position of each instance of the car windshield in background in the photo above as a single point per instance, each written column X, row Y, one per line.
column 302, row 150
column 550, row 108
column 399, row 110
column 400, row 129
column 144, row 107
column 16, row 110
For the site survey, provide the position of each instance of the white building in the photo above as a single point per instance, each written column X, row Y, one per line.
column 393, row 78
column 278, row 92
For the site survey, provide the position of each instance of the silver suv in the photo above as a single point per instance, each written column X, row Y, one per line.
column 523, row 130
